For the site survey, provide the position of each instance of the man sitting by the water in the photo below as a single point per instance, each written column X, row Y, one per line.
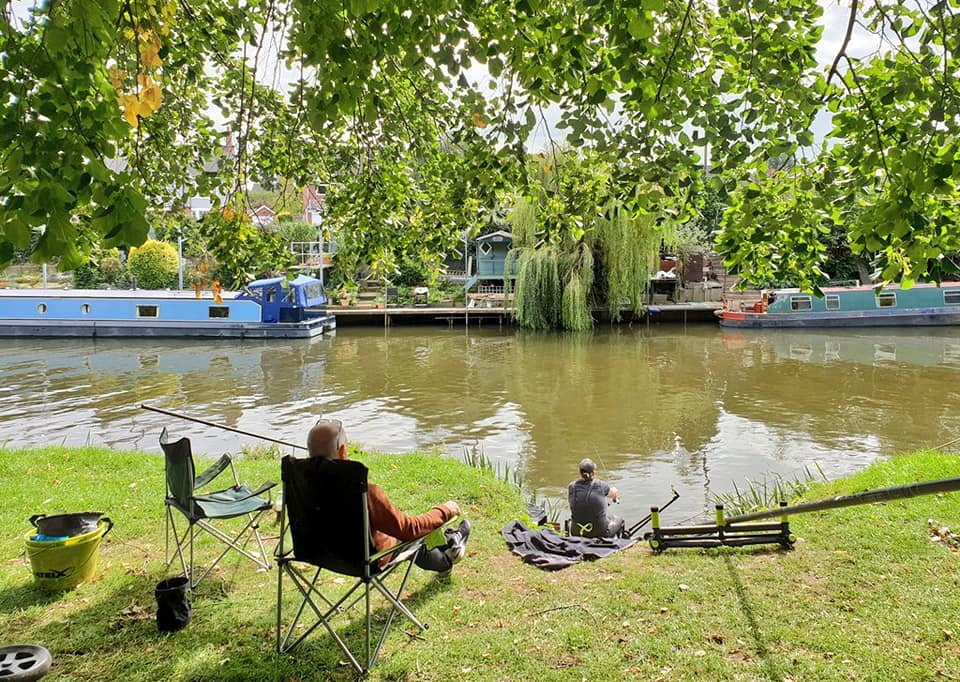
column 588, row 505
column 389, row 525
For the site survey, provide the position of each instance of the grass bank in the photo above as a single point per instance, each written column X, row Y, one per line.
column 864, row 595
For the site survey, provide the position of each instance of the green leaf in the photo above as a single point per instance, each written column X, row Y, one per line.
column 640, row 27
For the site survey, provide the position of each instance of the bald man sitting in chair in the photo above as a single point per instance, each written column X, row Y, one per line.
column 389, row 525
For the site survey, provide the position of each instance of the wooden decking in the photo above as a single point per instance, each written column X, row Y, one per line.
column 503, row 316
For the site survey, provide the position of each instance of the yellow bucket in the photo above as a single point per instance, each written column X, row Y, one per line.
column 64, row 564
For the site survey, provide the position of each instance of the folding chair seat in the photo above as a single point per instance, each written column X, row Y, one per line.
column 325, row 505
column 201, row 509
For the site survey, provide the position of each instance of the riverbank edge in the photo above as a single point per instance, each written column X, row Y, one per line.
column 865, row 594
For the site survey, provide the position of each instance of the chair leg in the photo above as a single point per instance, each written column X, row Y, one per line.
column 232, row 543
column 398, row 605
column 178, row 541
column 308, row 591
column 366, row 600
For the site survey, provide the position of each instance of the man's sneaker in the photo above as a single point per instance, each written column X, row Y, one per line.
column 458, row 542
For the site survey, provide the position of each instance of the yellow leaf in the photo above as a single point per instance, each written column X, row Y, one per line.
column 131, row 107
column 150, row 98
column 150, row 57
column 116, row 76
column 478, row 120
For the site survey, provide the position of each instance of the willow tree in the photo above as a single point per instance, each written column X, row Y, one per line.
column 646, row 87
column 576, row 247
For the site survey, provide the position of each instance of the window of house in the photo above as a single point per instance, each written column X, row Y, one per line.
column 951, row 297
column 832, row 302
column 887, row 300
column 219, row 311
column 148, row 311
column 800, row 303
column 485, row 248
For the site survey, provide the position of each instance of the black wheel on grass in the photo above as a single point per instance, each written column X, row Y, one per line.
column 23, row 662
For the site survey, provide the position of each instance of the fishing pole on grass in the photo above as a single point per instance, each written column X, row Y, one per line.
column 899, row 492
column 220, row 426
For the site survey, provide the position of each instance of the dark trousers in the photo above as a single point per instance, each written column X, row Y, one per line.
column 435, row 559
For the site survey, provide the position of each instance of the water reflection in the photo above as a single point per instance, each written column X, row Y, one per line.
column 698, row 408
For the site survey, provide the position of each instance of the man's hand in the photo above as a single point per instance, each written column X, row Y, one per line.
column 614, row 494
column 453, row 509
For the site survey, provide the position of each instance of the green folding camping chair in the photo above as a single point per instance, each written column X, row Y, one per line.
column 325, row 503
column 202, row 509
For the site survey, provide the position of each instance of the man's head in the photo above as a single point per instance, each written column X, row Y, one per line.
column 327, row 439
column 587, row 468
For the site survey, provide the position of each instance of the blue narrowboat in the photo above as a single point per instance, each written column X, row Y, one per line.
column 857, row 306
column 266, row 308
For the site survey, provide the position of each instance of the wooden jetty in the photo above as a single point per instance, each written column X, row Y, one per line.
column 503, row 316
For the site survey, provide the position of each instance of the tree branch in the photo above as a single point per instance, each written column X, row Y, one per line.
column 673, row 52
column 851, row 21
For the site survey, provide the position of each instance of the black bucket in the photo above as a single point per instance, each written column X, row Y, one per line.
column 173, row 604
column 66, row 525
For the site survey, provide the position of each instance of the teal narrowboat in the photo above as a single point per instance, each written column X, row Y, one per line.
column 856, row 306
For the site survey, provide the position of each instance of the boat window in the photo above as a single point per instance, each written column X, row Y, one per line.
column 148, row 311
column 800, row 303
column 314, row 290
column 951, row 297
column 85, row 308
column 832, row 301
column 270, row 295
column 41, row 308
column 218, row 311
column 887, row 300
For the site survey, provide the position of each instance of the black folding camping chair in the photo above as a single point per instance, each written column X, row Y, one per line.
column 201, row 509
column 325, row 504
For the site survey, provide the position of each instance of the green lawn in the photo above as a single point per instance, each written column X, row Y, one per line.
column 865, row 594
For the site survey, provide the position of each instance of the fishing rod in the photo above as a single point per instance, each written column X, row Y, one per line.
column 220, row 426
column 646, row 519
column 945, row 485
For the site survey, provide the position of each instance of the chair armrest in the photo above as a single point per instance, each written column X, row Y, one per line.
column 397, row 553
column 264, row 487
column 436, row 537
column 212, row 472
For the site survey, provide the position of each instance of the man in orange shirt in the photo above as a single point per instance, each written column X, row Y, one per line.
column 389, row 525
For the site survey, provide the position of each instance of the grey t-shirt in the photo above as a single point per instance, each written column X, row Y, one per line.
column 588, row 505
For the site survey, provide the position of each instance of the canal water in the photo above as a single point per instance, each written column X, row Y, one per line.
column 698, row 408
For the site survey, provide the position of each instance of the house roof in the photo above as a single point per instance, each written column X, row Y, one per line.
column 498, row 236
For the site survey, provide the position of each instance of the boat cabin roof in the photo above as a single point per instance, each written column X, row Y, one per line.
column 257, row 283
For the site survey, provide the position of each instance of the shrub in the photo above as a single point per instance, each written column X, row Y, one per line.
column 154, row 265
column 296, row 231
column 86, row 276
column 113, row 272
column 104, row 269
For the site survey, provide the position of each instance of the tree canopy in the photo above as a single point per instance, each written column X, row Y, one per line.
column 418, row 115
